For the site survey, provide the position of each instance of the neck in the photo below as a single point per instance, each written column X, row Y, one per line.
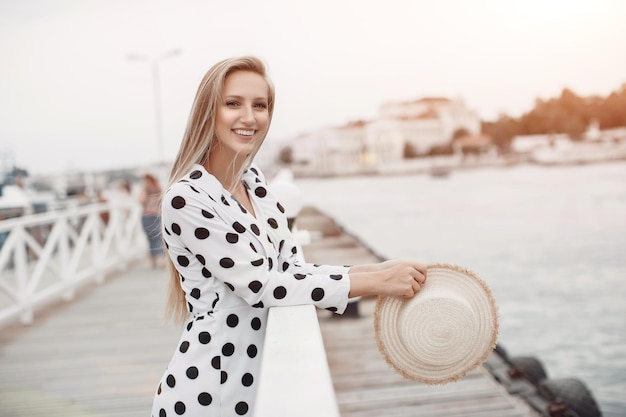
column 225, row 167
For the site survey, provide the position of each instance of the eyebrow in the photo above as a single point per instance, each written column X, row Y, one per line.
column 242, row 98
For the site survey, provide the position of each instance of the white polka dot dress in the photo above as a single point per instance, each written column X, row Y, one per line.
column 232, row 267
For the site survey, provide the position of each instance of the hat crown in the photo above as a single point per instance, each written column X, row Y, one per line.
column 446, row 330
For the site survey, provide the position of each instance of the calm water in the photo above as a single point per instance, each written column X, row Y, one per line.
column 550, row 242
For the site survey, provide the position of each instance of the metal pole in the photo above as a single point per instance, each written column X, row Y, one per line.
column 157, row 109
column 156, row 87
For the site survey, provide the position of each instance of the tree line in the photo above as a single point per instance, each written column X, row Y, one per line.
column 569, row 113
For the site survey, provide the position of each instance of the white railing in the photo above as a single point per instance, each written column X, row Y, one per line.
column 295, row 378
column 44, row 257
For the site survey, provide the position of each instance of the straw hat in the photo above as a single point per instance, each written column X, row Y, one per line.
column 445, row 331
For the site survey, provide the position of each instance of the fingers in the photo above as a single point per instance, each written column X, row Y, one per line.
column 423, row 270
column 419, row 272
column 406, row 278
column 416, row 287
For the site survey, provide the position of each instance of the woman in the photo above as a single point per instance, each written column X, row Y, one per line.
column 150, row 199
column 232, row 255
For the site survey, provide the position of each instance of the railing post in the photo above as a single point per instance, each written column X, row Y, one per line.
column 20, row 262
column 97, row 232
column 64, row 257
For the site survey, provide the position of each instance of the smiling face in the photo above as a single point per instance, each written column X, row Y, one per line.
column 242, row 118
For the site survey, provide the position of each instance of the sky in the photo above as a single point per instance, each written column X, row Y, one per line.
column 71, row 99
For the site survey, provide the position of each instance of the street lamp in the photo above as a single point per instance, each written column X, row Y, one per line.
column 154, row 62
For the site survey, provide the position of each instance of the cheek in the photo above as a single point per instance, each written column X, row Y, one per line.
column 264, row 119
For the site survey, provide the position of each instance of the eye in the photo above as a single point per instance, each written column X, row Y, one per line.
column 231, row 103
column 260, row 106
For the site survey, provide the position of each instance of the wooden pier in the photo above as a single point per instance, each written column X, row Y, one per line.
column 102, row 354
column 366, row 386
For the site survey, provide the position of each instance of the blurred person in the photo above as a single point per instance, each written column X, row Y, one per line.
column 102, row 199
column 124, row 188
column 232, row 255
column 150, row 199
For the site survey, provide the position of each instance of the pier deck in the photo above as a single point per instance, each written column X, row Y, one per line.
column 366, row 386
column 101, row 354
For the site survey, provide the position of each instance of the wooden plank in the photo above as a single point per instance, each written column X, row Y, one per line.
column 100, row 355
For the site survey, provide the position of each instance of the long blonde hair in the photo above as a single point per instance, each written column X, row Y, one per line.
column 195, row 148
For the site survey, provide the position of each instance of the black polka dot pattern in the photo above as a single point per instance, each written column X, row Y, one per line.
column 228, row 349
column 247, row 379
column 232, row 320
column 201, row 233
column 255, row 323
column 280, row 292
column 224, row 253
column 192, row 372
column 260, row 192
column 204, row 398
column 178, row 202
column 204, row 337
column 241, row 408
column 255, row 286
column 317, row 294
column 227, row 263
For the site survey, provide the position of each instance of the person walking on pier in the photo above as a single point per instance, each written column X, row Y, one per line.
column 150, row 199
column 232, row 255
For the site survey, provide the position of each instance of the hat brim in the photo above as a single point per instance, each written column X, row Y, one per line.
column 444, row 332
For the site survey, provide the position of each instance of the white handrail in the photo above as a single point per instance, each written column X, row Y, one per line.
column 295, row 378
column 46, row 256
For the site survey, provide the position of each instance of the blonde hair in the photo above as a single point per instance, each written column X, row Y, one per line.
column 195, row 148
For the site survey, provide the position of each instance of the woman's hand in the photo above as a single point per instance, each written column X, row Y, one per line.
column 401, row 278
column 396, row 278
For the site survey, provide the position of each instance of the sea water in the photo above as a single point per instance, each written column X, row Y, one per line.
column 549, row 241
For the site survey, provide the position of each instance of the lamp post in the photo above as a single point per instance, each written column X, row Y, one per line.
column 154, row 62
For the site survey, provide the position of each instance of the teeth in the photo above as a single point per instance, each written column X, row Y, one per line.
column 244, row 132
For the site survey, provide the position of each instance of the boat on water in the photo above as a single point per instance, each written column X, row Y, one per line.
column 439, row 172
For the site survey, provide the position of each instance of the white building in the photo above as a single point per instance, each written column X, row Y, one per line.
column 362, row 145
column 430, row 122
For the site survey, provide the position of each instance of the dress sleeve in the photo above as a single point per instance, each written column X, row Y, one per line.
column 203, row 243
column 293, row 260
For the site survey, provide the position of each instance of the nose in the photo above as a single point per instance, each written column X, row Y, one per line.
column 247, row 114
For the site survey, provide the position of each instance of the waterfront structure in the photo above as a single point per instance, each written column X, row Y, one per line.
column 414, row 128
column 431, row 122
column 596, row 145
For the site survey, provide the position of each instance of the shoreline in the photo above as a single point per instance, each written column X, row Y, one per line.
column 442, row 167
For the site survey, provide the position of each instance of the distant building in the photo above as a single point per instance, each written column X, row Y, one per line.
column 596, row 145
column 476, row 145
column 431, row 122
column 360, row 146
